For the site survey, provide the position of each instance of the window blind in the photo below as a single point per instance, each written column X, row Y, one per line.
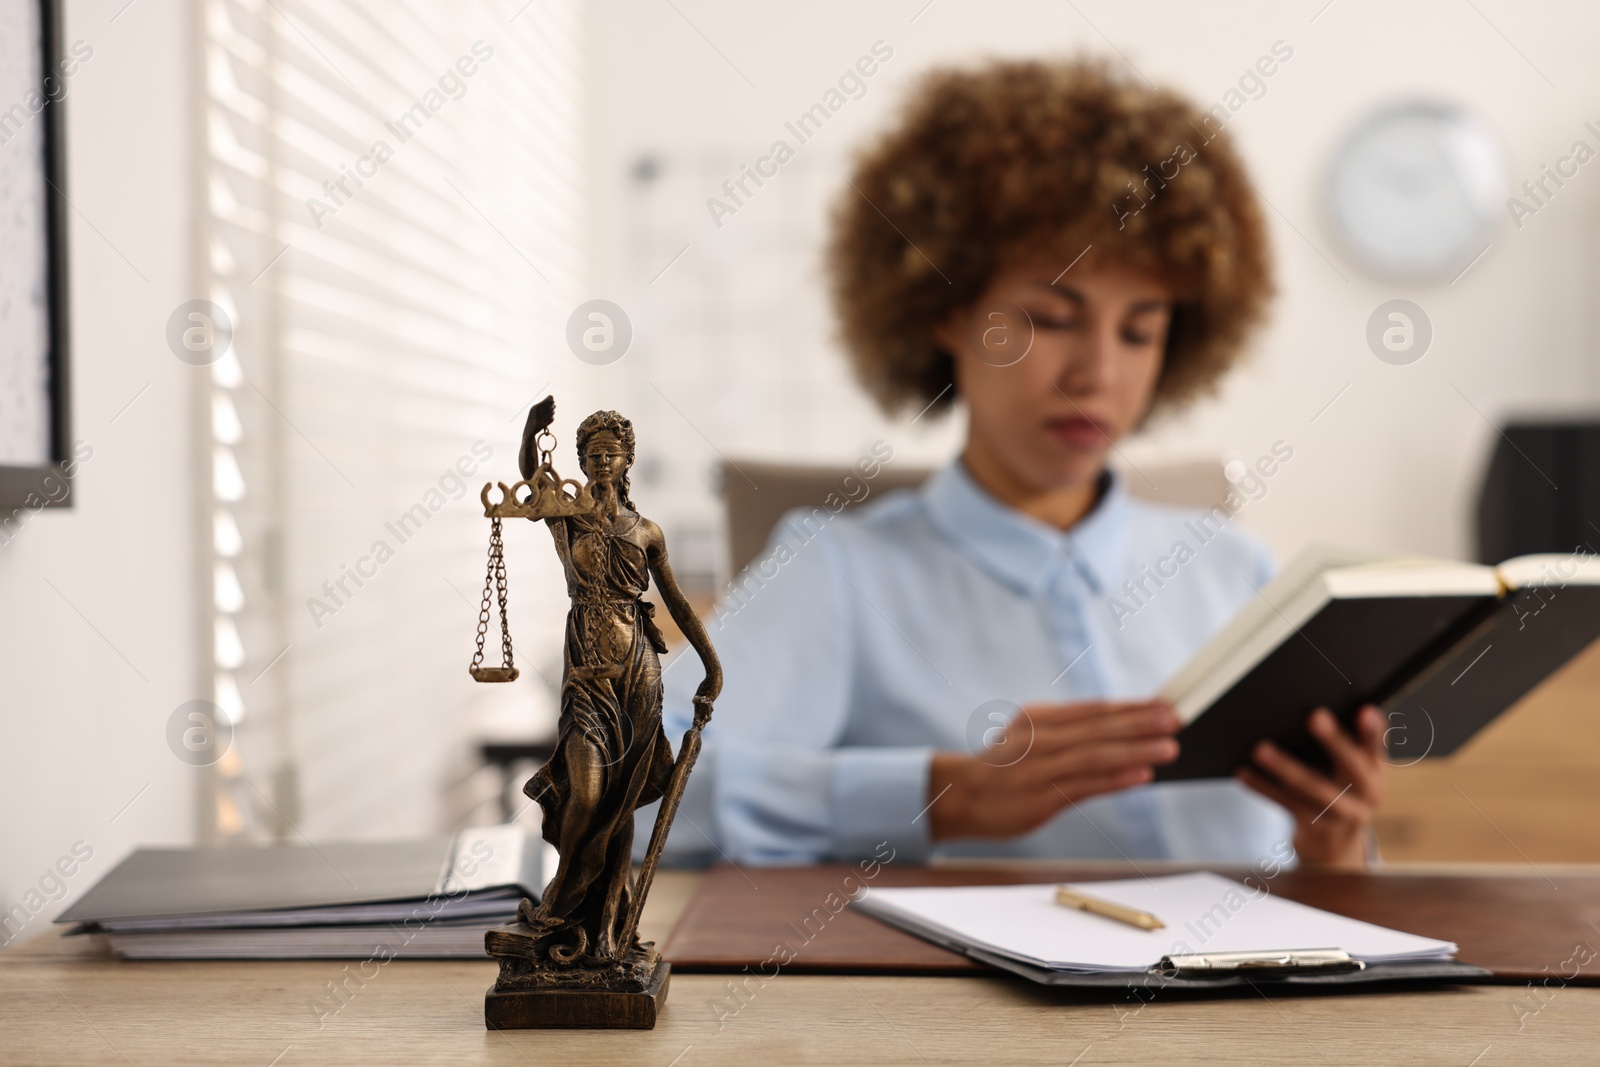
column 393, row 196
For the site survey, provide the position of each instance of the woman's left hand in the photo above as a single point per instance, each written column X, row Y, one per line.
column 1332, row 815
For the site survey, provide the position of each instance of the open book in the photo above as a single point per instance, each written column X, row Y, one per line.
column 1441, row 647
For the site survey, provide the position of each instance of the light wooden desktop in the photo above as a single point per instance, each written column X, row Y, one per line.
column 62, row 1002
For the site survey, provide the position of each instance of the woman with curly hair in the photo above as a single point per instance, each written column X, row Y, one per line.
column 1062, row 252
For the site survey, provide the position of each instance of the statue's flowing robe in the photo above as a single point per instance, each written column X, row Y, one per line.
column 611, row 697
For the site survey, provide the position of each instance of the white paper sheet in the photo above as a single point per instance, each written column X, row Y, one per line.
column 1203, row 912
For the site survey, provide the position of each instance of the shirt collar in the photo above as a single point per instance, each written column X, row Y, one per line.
column 1018, row 549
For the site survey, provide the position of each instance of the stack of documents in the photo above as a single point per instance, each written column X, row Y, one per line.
column 1022, row 928
column 434, row 897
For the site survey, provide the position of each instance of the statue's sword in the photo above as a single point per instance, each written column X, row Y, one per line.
column 688, row 752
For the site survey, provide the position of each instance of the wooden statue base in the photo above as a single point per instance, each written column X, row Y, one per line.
column 576, row 1009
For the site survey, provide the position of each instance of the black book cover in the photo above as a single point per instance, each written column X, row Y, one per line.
column 1530, row 635
column 1355, row 651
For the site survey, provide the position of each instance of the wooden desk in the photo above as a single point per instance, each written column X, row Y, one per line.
column 63, row 1003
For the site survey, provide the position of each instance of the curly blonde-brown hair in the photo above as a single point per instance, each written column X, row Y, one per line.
column 1043, row 159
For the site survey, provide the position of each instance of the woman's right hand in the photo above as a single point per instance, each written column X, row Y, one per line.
column 1047, row 757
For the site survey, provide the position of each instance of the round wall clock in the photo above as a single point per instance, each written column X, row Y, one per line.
column 1415, row 190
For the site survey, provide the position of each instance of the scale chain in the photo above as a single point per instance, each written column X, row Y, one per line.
column 500, row 588
column 494, row 583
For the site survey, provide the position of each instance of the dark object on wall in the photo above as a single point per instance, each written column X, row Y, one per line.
column 574, row 959
column 34, row 482
column 1541, row 492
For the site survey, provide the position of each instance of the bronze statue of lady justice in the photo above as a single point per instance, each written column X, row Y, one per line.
column 574, row 959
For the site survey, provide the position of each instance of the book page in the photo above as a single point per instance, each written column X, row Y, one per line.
column 1413, row 577
column 1317, row 575
column 1548, row 569
column 1284, row 603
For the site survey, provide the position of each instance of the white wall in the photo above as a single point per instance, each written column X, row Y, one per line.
column 1393, row 463
column 98, row 638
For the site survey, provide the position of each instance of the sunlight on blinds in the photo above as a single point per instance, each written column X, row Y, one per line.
column 393, row 208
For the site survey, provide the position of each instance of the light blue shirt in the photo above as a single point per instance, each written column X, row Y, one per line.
column 860, row 643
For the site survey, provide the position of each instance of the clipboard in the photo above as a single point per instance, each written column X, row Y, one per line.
column 1202, row 972
column 1025, row 930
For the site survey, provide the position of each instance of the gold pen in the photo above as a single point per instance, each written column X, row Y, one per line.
column 1071, row 898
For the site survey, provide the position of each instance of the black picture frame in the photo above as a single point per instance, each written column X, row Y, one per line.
column 50, row 485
